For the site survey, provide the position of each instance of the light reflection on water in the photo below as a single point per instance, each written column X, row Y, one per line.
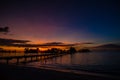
column 93, row 60
column 99, row 58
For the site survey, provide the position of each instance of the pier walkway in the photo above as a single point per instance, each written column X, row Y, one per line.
column 25, row 57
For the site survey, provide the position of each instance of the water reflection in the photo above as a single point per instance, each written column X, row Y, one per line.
column 94, row 58
column 95, row 61
column 87, row 60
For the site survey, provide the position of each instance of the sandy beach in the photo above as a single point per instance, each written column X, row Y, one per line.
column 13, row 72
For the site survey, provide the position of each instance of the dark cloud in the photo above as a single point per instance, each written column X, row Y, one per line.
column 57, row 44
column 44, row 45
column 11, row 42
column 88, row 43
column 84, row 43
column 4, row 29
column 23, row 43
column 54, row 43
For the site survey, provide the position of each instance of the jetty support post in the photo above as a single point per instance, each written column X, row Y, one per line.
column 17, row 60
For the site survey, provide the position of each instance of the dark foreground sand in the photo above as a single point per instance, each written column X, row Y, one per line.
column 13, row 72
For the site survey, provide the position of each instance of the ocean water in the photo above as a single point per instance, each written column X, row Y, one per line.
column 99, row 61
column 102, row 61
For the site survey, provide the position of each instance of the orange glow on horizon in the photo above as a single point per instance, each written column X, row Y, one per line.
column 42, row 48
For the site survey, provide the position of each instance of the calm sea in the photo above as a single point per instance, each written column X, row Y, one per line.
column 96, row 61
column 99, row 61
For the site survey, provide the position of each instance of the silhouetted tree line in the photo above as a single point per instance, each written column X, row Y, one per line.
column 54, row 50
column 51, row 51
column 72, row 50
column 60, row 51
column 27, row 50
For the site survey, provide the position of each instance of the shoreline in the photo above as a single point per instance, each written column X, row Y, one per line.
column 91, row 72
column 14, row 72
column 113, row 70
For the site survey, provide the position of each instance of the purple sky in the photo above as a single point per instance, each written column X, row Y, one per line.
column 61, row 20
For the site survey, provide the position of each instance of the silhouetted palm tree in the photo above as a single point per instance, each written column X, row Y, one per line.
column 72, row 50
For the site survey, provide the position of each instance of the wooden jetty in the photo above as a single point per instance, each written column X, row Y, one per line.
column 25, row 57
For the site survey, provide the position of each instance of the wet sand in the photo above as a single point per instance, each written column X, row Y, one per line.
column 13, row 72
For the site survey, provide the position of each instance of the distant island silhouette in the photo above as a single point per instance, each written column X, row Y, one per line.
column 107, row 47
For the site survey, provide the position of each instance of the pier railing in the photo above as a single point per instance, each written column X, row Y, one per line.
column 25, row 57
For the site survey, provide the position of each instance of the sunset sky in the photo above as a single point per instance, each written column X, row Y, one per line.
column 66, row 21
